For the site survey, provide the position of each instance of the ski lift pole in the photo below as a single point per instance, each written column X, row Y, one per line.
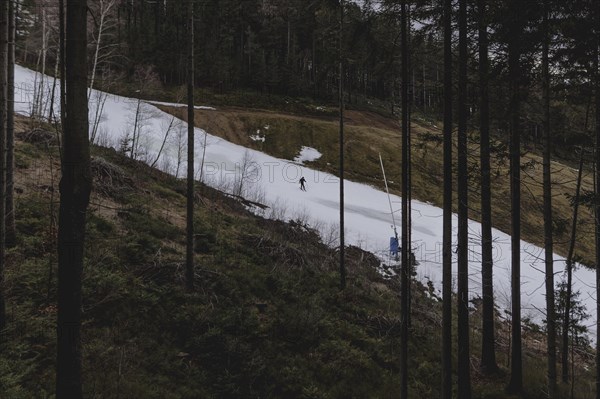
column 389, row 200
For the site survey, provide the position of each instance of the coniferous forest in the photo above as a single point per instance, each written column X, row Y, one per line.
column 149, row 250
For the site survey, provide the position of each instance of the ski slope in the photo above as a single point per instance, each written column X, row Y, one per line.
column 274, row 182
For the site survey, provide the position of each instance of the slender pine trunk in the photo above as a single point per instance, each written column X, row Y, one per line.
column 10, row 130
column 404, row 274
column 3, row 108
column 547, row 193
column 569, row 265
column 341, row 101
column 61, row 56
column 596, row 77
column 464, row 360
column 488, row 351
column 447, row 213
column 514, row 71
column 189, row 269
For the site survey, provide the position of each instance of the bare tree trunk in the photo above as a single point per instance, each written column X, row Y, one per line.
column 341, row 101
column 45, row 39
column 488, row 351
column 203, row 156
column 97, row 48
column 404, row 274
column 10, row 130
column 548, row 243
column 61, row 56
column 162, row 146
column 3, row 95
column 135, row 126
column 447, row 216
column 569, row 264
column 189, row 269
column 514, row 54
column 75, row 187
column 409, row 173
column 105, row 8
column 464, row 361
column 596, row 78
column 55, row 79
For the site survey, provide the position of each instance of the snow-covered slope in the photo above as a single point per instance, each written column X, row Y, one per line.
column 274, row 182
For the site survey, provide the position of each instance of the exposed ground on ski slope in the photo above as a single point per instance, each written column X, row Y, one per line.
column 273, row 181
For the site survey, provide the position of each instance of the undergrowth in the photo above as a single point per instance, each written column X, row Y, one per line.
column 266, row 318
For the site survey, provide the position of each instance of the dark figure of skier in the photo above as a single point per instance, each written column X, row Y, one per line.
column 302, row 181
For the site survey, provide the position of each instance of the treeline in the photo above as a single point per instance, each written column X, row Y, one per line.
column 291, row 47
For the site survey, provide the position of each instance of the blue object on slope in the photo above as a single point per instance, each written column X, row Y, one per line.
column 394, row 246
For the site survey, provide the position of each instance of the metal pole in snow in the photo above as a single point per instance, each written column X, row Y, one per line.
column 389, row 198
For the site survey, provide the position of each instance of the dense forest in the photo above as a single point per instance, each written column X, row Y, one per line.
column 291, row 48
column 510, row 77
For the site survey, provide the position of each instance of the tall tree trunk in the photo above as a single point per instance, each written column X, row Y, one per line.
column 464, row 360
column 409, row 173
column 3, row 94
column 10, row 129
column 514, row 72
column 447, row 215
column 547, row 179
column 75, row 187
column 189, row 269
column 596, row 74
column 44, row 53
column 341, row 101
column 569, row 265
column 61, row 56
column 404, row 274
column 488, row 352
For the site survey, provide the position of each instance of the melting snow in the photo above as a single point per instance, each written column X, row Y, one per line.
column 307, row 154
column 180, row 105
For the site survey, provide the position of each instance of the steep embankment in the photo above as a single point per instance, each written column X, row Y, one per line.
column 266, row 319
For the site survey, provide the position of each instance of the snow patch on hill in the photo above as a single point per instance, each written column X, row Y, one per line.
column 307, row 154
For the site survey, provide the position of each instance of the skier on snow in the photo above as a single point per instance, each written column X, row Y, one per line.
column 302, row 181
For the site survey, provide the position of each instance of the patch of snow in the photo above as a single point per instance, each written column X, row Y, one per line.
column 180, row 105
column 258, row 137
column 307, row 154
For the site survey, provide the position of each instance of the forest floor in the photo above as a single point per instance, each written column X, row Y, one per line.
column 266, row 319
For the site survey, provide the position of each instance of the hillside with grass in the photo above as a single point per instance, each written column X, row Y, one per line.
column 267, row 318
